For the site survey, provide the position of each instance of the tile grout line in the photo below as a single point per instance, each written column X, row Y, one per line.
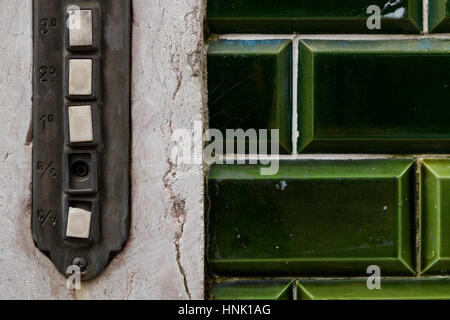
column 368, row 37
column 418, row 223
column 295, row 67
column 425, row 26
column 332, row 156
column 294, row 290
column 331, row 277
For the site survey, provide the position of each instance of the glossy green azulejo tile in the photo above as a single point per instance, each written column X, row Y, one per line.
column 439, row 16
column 435, row 216
column 253, row 290
column 314, row 217
column 391, row 289
column 250, row 87
column 374, row 96
column 307, row 16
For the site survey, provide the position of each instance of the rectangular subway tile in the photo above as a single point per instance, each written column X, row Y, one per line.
column 390, row 289
column 439, row 16
column 314, row 217
column 253, row 290
column 250, row 87
column 374, row 96
column 435, row 216
column 320, row 16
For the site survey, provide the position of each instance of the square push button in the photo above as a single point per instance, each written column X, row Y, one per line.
column 78, row 223
column 83, row 30
column 80, row 28
column 82, row 77
column 80, row 124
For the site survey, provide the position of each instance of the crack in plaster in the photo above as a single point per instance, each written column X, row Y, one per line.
column 176, row 210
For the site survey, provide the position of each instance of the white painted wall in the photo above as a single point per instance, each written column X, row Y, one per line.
column 163, row 258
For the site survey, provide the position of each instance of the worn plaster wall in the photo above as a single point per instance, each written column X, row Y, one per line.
column 163, row 258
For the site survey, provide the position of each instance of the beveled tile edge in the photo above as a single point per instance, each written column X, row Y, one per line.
column 403, row 263
column 284, row 292
column 378, row 45
column 415, row 14
column 305, row 96
column 285, row 88
column 430, row 218
column 350, row 267
column 411, row 24
column 407, row 215
column 290, row 168
column 241, row 46
column 436, row 15
column 284, row 57
column 304, row 293
column 308, row 142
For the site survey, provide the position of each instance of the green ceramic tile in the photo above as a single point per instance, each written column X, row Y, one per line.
column 315, row 217
column 253, row 290
column 250, row 86
column 374, row 96
column 306, row 16
column 435, row 213
column 439, row 16
column 391, row 289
